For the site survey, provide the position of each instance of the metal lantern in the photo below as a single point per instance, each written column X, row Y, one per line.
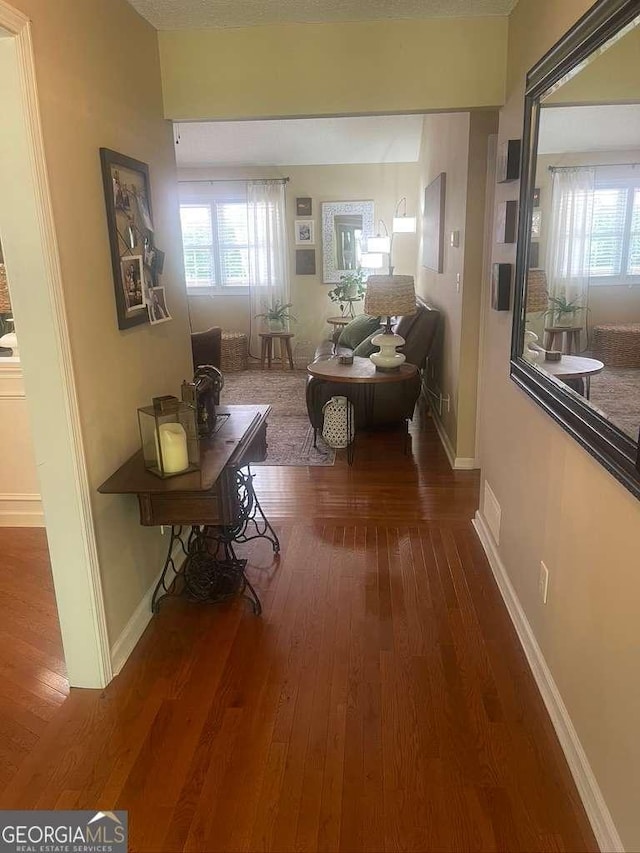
column 169, row 435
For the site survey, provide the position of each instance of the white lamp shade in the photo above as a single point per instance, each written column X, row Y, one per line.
column 379, row 244
column 371, row 260
column 404, row 225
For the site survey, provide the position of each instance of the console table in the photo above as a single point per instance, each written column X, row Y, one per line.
column 209, row 510
column 362, row 377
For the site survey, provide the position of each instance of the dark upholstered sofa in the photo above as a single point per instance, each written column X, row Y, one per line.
column 394, row 402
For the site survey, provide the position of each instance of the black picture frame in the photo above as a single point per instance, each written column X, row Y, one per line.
column 129, row 215
column 508, row 168
column 304, row 206
column 506, row 222
column 305, row 261
column 612, row 448
column 501, row 287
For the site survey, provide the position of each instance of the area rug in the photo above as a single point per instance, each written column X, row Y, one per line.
column 289, row 433
column 616, row 392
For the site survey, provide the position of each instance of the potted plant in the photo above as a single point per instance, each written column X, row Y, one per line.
column 277, row 315
column 351, row 289
column 563, row 312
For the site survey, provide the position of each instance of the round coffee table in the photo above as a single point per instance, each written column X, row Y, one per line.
column 364, row 377
column 574, row 367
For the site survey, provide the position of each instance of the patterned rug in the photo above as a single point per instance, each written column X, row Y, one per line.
column 616, row 392
column 289, row 435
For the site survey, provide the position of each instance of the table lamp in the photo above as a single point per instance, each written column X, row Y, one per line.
column 389, row 296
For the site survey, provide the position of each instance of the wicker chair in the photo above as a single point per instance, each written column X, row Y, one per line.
column 206, row 347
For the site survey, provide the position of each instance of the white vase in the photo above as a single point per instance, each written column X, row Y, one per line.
column 276, row 325
column 338, row 428
column 10, row 341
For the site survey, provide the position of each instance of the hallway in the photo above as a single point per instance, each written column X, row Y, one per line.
column 382, row 702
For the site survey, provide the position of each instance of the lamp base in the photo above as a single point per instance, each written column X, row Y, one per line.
column 387, row 358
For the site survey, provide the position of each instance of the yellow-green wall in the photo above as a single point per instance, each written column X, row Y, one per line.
column 334, row 69
column 98, row 75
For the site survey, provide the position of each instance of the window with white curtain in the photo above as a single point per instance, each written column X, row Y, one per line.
column 215, row 244
column 615, row 233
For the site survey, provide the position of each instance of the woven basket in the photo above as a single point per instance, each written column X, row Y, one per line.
column 5, row 300
column 235, row 351
column 617, row 345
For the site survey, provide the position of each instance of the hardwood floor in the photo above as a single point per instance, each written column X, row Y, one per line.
column 381, row 702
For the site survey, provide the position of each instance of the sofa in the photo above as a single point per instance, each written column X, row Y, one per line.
column 394, row 402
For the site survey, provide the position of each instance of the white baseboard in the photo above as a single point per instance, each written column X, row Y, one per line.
column 21, row 511
column 135, row 627
column 458, row 463
column 592, row 799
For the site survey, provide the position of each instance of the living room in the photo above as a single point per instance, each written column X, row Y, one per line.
column 384, row 699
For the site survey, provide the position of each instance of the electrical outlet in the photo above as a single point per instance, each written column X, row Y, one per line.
column 543, row 582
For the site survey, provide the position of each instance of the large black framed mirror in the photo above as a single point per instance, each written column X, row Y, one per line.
column 576, row 324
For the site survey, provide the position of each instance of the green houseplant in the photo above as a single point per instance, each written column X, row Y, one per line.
column 351, row 289
column 277, row 315
column 563, row 312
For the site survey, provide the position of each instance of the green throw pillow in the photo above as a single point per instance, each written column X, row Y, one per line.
column 358, row 329
column 365, row 347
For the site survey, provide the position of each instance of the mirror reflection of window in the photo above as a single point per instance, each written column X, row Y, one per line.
column 348, row 235
column 583, row 299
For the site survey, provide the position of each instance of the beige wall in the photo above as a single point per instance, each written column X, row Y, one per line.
column 456, row 143
column 613, row 76
column 385, row 184
column 560, row 506
column 99, row 85
column 333, row 69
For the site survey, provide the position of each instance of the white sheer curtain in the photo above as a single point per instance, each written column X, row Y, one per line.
column 569, row 247
column 268, row 267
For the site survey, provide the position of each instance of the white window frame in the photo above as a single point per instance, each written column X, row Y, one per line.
column 629, row 184
column 212, row 202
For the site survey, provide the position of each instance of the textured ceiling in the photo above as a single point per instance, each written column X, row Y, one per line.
column 194, row 14
column 300, row 142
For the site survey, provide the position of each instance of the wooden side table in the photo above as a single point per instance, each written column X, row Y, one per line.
column 569, row 338
column 363, row 377
column 338, row 322
column 574, row 367
column 266, row 349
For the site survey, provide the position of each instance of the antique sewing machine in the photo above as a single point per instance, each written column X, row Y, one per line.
column 203, row 393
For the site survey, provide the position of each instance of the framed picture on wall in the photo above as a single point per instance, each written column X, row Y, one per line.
column 305, row 261
column 127, row 196
column 304, row 206
column 305, row 232
column 433, row 224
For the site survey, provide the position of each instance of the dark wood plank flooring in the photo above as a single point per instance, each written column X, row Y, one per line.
column 382, row 702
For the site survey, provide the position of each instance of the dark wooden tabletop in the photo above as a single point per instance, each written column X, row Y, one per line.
column 216, row 452
column 362, row 370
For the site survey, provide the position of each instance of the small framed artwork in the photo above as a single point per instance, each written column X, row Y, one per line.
column 506, row 219
column 305, row 261
column 304, row 206
column 501, row 287
column 536, row 197
column 508, row 168
column 305, row 232
column 127, row 195
column 157, row 306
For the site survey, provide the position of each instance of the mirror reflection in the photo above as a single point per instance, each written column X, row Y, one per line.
column 582, row 305
column 348, row 240
column 346, row 227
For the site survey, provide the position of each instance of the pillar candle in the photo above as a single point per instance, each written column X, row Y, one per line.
column 173, row 443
